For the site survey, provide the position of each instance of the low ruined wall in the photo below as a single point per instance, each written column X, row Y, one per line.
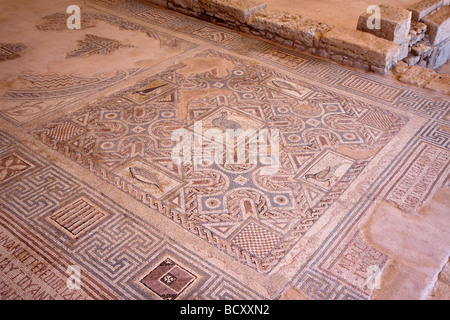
column 417, row 36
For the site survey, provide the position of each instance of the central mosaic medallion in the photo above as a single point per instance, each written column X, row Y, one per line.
column 326, row 140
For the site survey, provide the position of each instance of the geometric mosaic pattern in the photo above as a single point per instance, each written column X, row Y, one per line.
column 338, row 270
column 11, row 166
column 77, row 217
column 10, row 51
column 120, row 255
column 342, row 273
column 168, row 280
column 155, row 16
column 93, row 44
column 65, row 131
column 51, row 91
column 313, row 68
column 336, row 76
column 256, row 240
column 328, row 116
column 58, row 22
column 373, row 88
column 126, row 139
column 213, row 35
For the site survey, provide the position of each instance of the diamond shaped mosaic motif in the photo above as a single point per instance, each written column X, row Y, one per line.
column 168, row 280
column 12, row 166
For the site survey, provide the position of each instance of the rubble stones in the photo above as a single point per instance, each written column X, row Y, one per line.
column 423, row 77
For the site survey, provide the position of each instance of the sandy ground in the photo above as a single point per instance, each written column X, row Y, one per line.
column 341, row 13
column 46, row 51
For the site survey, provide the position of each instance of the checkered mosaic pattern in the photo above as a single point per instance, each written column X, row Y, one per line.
column 257, row 240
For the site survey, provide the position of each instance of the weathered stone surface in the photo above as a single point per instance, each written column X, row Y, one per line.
column 422, row 8
column 238, row 10
column 362, row 45
column 291, row 293
column 441, row 83
column 416, row 37
column 400, row 68
column 419, row 27
column 188, row 7
column 289, row 26
column 417, row 244
column 184, row 3
column 412, row 60
column 394, row 25
column 418, row 76
column 369, row 52
column 438, row 25
column 421, row 49
column 441, row 290
column 161, row 3
column 404, row 51
column 439, row 56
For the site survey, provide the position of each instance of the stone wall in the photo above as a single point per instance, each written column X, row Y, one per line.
column 422, row 31
column 404, row 33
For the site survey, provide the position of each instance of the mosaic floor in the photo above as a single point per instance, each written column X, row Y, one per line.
column 88, row 179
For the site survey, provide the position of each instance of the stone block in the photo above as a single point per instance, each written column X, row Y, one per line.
column 439, row 55
column 394, row 25
column 161, row 3
column 422, row 50
column 422, row 8
column 404, row 51
column 400, row 68
column 418, row 76
column 412, row 60
column 438, row 25
column 361, row 45
column 416, row 37
column 188, row 7
column 441, row 83
column 186, row 4
column 289, row 26
column 378, row 69
column 419, row 27
column 238, row 10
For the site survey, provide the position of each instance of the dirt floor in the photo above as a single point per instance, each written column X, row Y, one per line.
column 341, row 13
